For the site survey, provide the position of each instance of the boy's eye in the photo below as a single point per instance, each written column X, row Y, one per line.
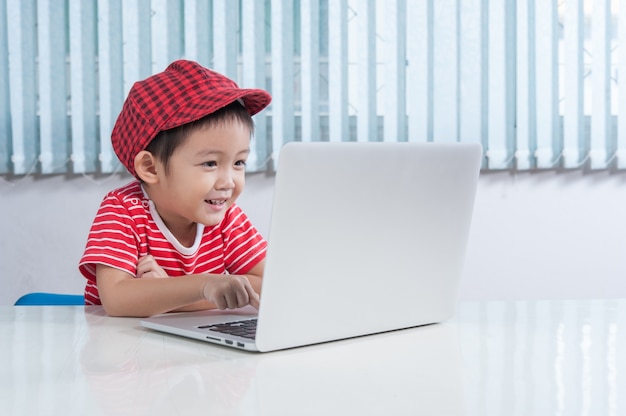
column 241, row 163
column 210, row 164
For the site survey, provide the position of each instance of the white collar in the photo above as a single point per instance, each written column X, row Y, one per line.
column 168, row 234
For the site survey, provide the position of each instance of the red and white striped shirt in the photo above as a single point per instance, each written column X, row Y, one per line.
column 127, row 228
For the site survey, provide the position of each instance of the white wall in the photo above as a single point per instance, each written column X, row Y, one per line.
column 535, row 235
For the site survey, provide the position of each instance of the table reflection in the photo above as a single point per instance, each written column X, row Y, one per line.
column 493, row 358
column 153, row 373
column 544, row 357
column 137, row 372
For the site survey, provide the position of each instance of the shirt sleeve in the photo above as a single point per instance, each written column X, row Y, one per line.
column 113, row 240
column 244, row 247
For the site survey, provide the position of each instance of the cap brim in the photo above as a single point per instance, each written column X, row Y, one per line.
column 254, row 100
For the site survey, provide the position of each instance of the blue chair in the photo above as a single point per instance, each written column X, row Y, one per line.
column 46, row 299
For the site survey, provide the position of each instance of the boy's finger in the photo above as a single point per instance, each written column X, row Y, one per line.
column 254, row 299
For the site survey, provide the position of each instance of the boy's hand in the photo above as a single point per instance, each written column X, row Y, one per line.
column 147, row 267
column 230, row 292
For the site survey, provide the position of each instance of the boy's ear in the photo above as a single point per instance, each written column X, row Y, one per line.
column 145, row 167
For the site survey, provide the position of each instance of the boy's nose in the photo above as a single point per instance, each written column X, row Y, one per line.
column 226, row 180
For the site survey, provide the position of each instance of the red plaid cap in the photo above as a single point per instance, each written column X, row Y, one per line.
column 184, row 92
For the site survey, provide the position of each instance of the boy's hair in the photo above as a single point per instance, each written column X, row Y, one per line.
column 182, row 94
column 166, row 142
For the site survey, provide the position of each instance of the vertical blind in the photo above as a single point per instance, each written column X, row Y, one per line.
column 535, row 81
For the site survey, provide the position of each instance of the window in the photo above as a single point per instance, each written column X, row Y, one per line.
column 536, row 82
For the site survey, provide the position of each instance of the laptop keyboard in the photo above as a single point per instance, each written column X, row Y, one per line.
column 245, row 328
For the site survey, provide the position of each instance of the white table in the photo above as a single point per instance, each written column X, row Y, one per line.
column 494, row 358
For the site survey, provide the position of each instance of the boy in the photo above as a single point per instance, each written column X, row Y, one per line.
column 174, row 239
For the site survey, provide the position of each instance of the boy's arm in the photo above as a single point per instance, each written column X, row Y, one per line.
column 255, row 276
column 123, row 295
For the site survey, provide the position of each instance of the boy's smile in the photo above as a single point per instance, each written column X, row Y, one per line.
column 206, row 174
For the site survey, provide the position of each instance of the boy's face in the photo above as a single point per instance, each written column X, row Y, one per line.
column 206, row 175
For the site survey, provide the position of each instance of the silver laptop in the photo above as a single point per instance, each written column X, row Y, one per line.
column 364, row 238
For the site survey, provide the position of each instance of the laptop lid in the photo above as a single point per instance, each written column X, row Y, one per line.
column 364, row 238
